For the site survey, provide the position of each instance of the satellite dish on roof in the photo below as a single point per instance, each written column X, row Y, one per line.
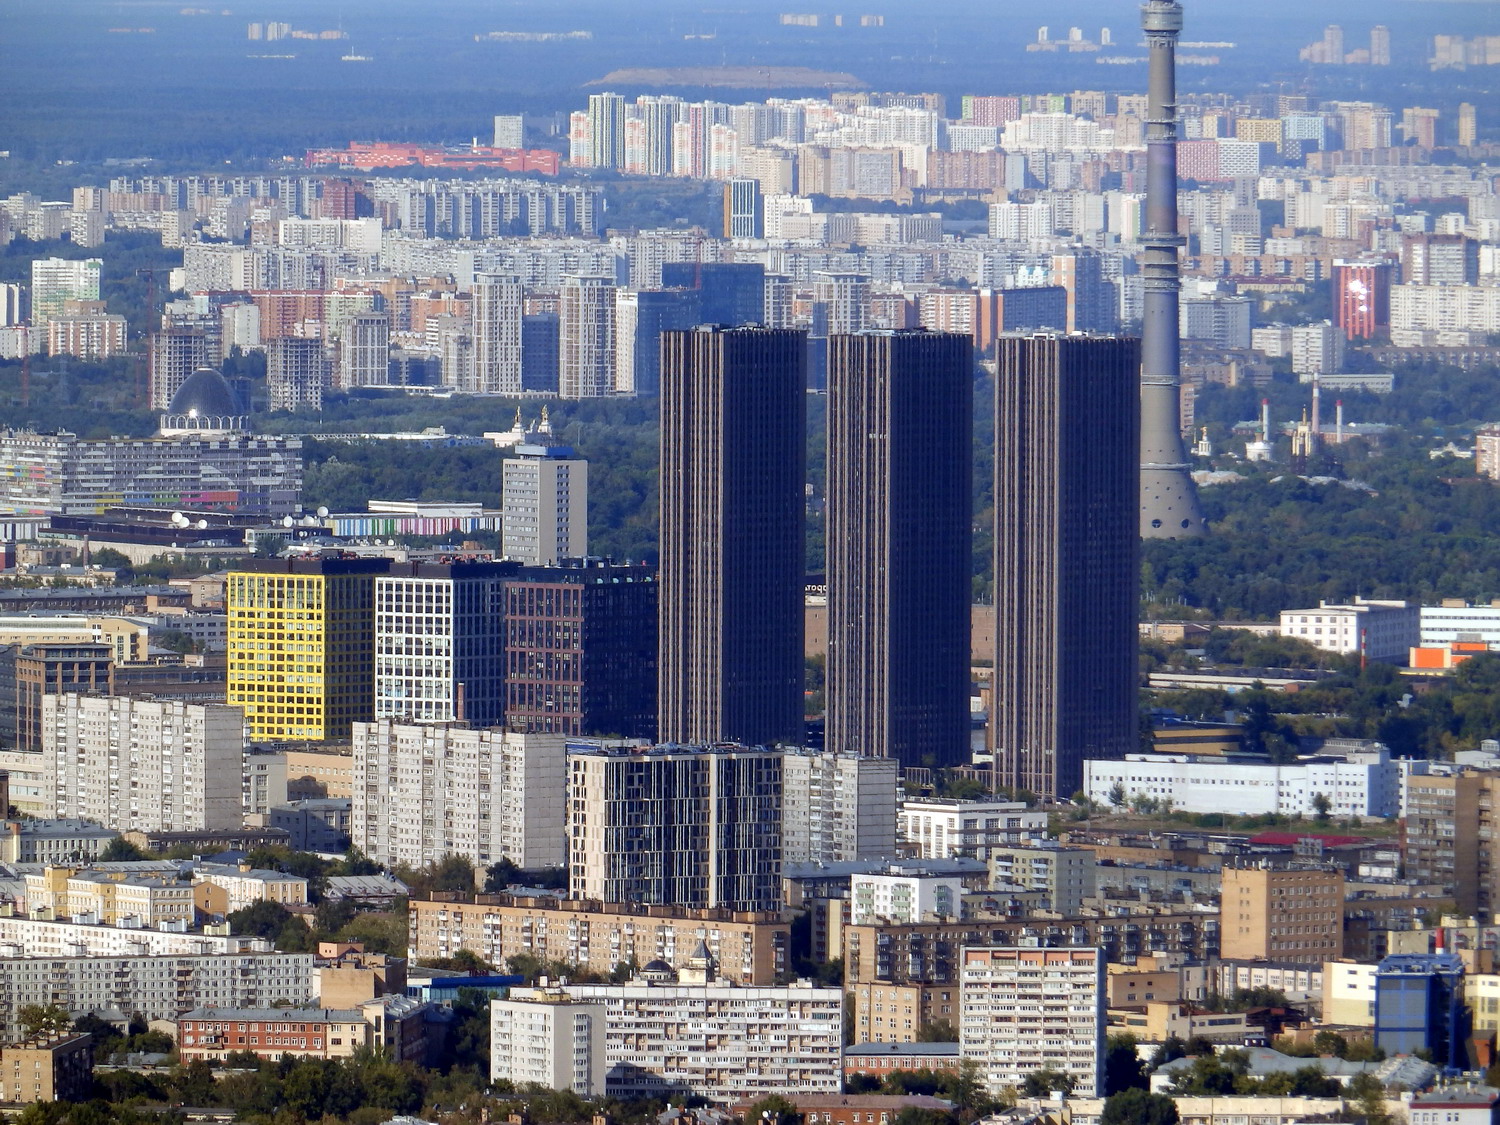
column 322, row 511
column 202, row 525
column 287, row 521
column 179, row 520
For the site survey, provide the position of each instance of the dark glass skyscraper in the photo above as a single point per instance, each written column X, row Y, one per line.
column 733, row 438
column 1067, row 420
column 731, row 292
column 899, row 545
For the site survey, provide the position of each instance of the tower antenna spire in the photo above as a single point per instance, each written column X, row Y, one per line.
column 1169, row 500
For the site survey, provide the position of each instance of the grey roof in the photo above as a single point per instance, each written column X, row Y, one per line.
column 1264, row 1061
column 285, row 1015
column 1458, row 1096
column 352, row 886
column 62, row 828
column 931, row 1049
column 206, row 394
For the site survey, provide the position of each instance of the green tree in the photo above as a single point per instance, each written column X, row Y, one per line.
column 121, row 850
column 1040, row 1083
column 43, row 1020
column 263, row 919
column 1138, row 1107
column 773, row 1109
column 1322, row 806
column 1123, row 1069
column 937, row 1031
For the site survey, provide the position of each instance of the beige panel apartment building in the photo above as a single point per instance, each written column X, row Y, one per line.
column 750, row 947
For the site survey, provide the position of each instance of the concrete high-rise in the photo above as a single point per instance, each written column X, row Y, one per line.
column 1066, row 557
column 497, row 335
column 586, row 333
column 1168, row 501
column 899, row 545
column 686, row 826
column 544, row 501
column 55, row 280
column 175, row 354
column 364, row 350
column 729, row 293
column 439, row 638
column 733, row 446
column 302, row 645
column 297, row 371
column 580, row 649
column 641, row 316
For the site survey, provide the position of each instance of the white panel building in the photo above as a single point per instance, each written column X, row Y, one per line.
column 1379, row 630
column 142, row 764
column 899, row 897
column 1362, row 784
column 846, row 807
column 669, row 1035
column 944, row 827
column 548, row 1038
column 424, row 791
column 1028, row 1009
column 1455, row 621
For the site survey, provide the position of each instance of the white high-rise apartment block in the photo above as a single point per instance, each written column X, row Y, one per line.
column 1027, row 1009
column 142, row 764
column 55, row 280
column 586, row 333
column 548, row 1038
column 673, row 1034
column 846, row 807
column 422, row 792
column 510, row 130
column 365, row 350
column 1317, row 349
column 1378, row 630
column 945, row 827
column 497, row 335
column 544, row 502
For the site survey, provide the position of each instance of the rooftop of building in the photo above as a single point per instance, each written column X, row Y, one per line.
column 283, row 1015
column 1458, row 1097
column 327, row 563
column 61, row 829
column 913, row 868
column 931, row 1050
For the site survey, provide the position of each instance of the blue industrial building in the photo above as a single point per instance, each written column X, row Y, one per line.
column 1419, row 1003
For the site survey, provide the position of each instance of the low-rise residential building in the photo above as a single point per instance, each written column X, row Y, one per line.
column 319, row 1033
column 39, row 840
column 879, row 1059
column 1378, row 630
column 154, row 986
column 222, row 888
column 1227, row 1110
column 51, row 1068
column 750, row 947
column 1158, row 1020
column 347, row 975
column 856, row 1109
column 942, row 827
column 672, row 1034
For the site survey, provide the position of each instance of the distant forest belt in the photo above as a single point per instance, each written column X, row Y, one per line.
column 732, row 77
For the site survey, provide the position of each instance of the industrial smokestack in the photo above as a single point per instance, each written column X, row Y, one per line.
column 1338, row 415
column 1169, row 500
column 1317, row 413
column 1265, row 420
